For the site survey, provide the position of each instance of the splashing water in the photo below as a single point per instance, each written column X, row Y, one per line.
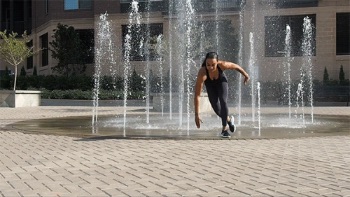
column 159, row 49
column 307, row 53
column 287, row 69
column 300, row 95
column 252, row 71
column 182, row 26
column 104, row 39
column 259, row 108
column 134, row 20
column 240, row 62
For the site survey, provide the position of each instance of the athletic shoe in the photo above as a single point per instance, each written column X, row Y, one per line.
column 225, row 134
column 231, row 124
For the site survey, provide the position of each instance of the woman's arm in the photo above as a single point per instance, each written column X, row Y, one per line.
column 232, row 66
column 201, row 77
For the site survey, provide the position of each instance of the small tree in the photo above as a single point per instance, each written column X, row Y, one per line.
column 325, row 76
column 67, row 48
column 341, row 75
column 14, row 50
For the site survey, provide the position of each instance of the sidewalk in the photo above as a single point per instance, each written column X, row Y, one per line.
column 47, row 165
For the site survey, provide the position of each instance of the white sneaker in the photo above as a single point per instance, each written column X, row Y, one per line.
column 231, row 124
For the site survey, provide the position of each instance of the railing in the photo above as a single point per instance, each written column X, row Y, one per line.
column 18, row 27
column 144, row 5
column 199, row 5
column 212, row 6
column 206, row 5
column 296, row 3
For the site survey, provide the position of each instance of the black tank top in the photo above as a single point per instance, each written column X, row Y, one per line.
column 220, row 79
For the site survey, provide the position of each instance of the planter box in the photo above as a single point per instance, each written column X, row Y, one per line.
column 20, row 98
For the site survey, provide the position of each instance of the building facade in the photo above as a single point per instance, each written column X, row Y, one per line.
column 330, row 19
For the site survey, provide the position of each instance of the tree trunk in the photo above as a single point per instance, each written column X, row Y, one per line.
column 15, row 81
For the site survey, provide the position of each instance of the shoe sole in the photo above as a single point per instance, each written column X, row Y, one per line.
column 225, row 136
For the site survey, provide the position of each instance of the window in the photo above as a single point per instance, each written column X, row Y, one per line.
column 87, row 41
column 143, row 5
column 296, row 3
column 77, row 4
column 275, row 33
column 30, row 59
column 44, row 50
column 343, row 33
column 47, row 6
column 222, row 5
column 137, row 53
column 207, row 5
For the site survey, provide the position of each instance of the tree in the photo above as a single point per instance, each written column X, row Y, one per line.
column 23, row 71
column 136, row 82
column 341, row 75
column 67, row 48
column 325, row 76
column 35, row 71
column 14, row 50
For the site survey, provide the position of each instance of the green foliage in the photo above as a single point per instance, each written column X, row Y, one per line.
column 109, row 83
column 341, row 75
column 87, row 94
column 67, row 94
column 137, row 83
column 325, row 76
column 14, row 50
column 23, row 71
column 67, row 48
column 154, row 83
column 35, row 71
column 5, row 79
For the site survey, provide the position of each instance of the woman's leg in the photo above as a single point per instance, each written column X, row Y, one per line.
column 213, row 97
column 218, row 99
column 223, row 94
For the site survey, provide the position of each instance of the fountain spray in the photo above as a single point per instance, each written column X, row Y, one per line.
column 287, row 67
column 307, row 53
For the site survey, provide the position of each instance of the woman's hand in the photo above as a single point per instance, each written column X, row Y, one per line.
column 198, row 121
column 246, row 79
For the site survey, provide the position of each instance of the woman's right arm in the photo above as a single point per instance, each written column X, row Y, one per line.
column 201, row 77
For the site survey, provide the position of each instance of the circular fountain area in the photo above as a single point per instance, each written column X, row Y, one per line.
column 175, row 56
column 273, row 126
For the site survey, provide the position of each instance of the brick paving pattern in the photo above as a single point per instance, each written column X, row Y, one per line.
column 48, row 165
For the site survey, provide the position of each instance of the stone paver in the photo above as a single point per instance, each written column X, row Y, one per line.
column 48, row 165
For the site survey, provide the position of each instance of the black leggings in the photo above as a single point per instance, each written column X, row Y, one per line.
column 217, row 94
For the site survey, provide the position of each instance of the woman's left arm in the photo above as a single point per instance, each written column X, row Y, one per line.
column 232, row 66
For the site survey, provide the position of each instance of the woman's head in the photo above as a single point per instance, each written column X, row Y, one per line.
column 210, row 59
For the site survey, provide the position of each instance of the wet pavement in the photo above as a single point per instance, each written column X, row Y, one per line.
column 162, row 127
column 37, row 164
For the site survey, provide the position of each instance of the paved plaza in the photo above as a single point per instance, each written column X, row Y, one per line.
column 57, row 165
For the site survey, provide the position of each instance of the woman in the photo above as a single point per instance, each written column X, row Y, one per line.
column 211, row 74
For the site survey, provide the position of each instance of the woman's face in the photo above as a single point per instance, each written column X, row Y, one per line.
column 211, row 64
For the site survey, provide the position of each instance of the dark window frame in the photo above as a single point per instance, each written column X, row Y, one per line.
column 296, row 3
column 199, row 5
column 88, row 43
column 343, row 33
column 44, row 40
column 275, row 32
column 144, row 6
column 155, row 29
column 80, row 6
column 46, row 6
column 30, row 61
